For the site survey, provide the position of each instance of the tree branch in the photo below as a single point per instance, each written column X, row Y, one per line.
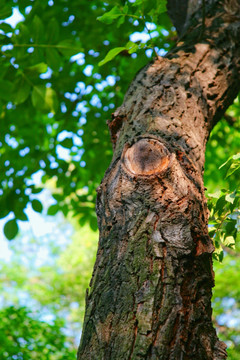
column 181, row 12
column 231, row 120
column 231, row 251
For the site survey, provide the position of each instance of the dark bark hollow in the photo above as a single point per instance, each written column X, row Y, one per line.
column 150, row 294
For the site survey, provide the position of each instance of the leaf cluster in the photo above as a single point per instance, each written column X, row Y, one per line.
column 24, row 337
column 56, row 282
column 226, row 300
column 141, row 11
column 225, row 213
column 55, row 100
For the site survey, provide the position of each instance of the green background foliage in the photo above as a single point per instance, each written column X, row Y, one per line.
column 65, row 67
column 54, row 96
column 23, row 337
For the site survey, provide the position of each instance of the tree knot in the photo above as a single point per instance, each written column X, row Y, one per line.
column 146, row 157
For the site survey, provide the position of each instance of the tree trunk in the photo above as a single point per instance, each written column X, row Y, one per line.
column 150, row 294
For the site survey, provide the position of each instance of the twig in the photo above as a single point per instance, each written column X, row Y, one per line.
column 149, row 33
column 231, row 251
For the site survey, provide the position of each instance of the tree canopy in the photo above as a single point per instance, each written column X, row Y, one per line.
column 66, row 66
column 55, row 100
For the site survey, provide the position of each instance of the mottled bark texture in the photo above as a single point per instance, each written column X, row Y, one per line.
column 150, row 294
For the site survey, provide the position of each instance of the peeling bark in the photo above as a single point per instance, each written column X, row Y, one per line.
column 150, row 294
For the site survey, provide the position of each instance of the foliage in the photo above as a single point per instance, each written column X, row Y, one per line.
column 23, row 337
column 52, row 286
column 223, row 143
column 222, row 181
column 141, row 11
column 224, row 220
column 55, row 98
column 226, row 300
column 58, row 280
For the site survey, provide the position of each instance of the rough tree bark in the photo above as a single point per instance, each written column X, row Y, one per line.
column 150, row 294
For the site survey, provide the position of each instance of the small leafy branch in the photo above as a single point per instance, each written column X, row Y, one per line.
column 140, row 10
column 224, row 209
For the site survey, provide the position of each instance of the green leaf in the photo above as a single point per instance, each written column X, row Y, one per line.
column 120, row 21
column 44, row 99
column 5, row 11
column 68, row 47
column 6, row 89
column 58, row 197
column 6, row 28
column 67, row 143
column 138, row 3
column 233, row 167
column 218, row 252
column 20, row 215
column 64, row 209
column 24, row 32
column 83, row 220
column 10, row 229
column 40, row 68
column 53, row 58
column 224, row 163
column 37, row 205
column 22, row 91
column 231, row 158
column 44, row 178
column 111, row 15
column 236, row 156
column 229, row 241
column 230, row 228
column 231, row 197
column 220, row 205
column 111, row 55
column 212, row 230
column 3, row 211
column 125, row 9
column 151, row 7
column 53, row 209
column 93, row 223
column 36, row 190
column 132, row 47
column 37, row 30
column 53, row 31
column 215, row 195
column 161, row 6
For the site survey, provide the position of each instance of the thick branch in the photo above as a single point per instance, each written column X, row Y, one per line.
column 183, row 12
column 177, row 11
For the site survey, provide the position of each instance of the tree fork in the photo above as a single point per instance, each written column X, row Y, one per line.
column 150, row 294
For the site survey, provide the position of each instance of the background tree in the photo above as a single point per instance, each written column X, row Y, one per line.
column 49, row 104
